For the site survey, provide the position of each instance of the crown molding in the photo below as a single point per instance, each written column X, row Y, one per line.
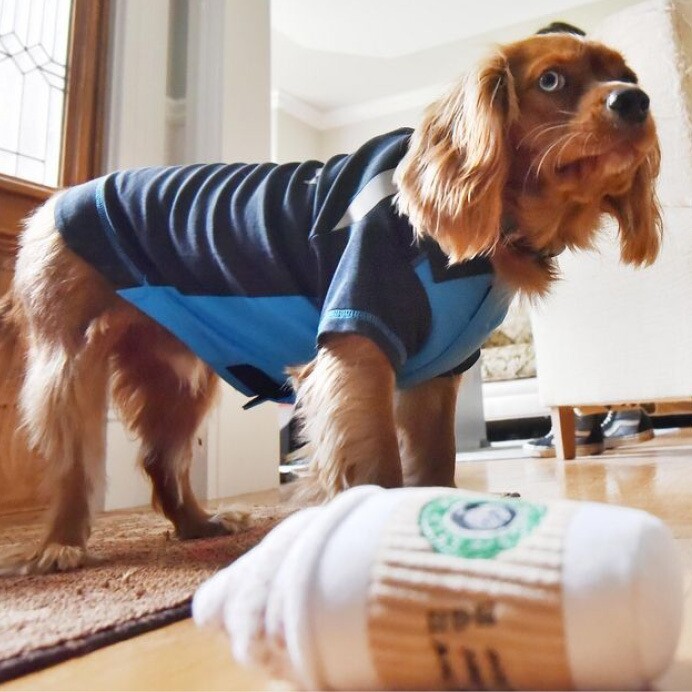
column 299, row 109
column 349, row 115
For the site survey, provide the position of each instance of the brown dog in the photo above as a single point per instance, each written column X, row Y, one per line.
column 519, row 160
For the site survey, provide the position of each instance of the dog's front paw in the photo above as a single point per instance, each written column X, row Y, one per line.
column 231, row 521
column 52, row 557
column 221, row 524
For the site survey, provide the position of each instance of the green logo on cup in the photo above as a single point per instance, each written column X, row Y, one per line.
column 477, row 527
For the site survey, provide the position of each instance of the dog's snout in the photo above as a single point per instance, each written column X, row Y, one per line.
column 630, row 104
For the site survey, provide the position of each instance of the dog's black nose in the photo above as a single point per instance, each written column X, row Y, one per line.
column 630, row 104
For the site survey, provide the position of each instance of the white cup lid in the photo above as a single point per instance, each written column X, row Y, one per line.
column 622, row 599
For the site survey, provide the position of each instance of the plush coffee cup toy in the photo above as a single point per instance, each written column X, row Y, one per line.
column 436, row 588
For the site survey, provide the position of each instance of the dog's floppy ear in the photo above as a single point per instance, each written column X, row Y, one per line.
column 452, row 177
column 638, row 214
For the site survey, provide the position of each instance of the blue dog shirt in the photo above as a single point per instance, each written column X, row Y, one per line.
column 252, row 265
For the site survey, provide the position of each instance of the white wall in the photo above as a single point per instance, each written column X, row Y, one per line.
column 293, row 139
column 301, row 132
column 136, row 113
column 347, row 138
column 246, row 107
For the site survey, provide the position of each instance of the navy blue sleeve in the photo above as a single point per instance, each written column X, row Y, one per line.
column 374, row 289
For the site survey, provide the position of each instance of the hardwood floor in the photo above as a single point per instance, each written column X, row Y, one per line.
column 655, row 476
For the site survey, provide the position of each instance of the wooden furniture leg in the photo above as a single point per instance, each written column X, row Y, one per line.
column 562, row 418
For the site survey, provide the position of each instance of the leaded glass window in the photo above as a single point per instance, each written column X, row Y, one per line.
column 34, row 38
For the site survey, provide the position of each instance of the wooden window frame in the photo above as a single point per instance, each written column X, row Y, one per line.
column 84, row 111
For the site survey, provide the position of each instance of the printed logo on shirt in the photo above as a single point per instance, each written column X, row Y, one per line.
column 477, row 528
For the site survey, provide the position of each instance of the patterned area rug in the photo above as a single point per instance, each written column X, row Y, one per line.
column 144, row 578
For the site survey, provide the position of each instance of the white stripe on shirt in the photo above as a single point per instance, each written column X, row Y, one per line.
column 381, row 186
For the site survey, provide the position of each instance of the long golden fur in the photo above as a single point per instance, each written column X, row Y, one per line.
column 500, row 166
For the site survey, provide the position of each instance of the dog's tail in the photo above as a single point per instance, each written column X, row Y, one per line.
column 11, row 341
column 12, row 349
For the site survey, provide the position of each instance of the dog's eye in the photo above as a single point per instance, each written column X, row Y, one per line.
column 551, row 81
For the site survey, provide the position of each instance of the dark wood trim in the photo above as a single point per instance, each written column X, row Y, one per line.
column 18, row 199
column 24, row 188
column 82, row 149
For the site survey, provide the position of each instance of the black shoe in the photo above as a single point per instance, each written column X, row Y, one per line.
column 626, row 427
column 588, row 434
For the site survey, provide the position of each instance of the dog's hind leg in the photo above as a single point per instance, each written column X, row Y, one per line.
column 63, row 402
column 164, row 393
column 63, row 394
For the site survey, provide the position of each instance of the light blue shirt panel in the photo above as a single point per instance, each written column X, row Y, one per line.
column 269, row 332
